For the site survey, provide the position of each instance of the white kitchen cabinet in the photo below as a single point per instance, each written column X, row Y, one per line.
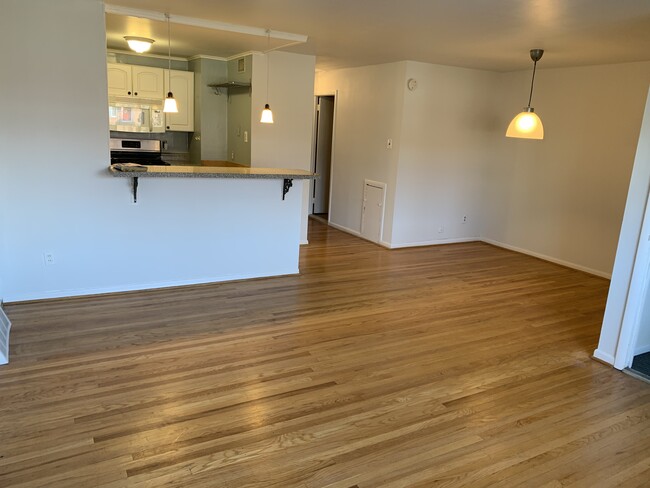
column 119, row 79
column 127, row 80
column 181, row 84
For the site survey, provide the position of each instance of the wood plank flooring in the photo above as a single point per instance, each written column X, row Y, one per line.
column 458, row 365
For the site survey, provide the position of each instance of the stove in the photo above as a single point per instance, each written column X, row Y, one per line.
column 146, row 152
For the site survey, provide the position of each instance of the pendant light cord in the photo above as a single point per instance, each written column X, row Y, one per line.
column 532, row 83
column 169, row 43
column 268, row 48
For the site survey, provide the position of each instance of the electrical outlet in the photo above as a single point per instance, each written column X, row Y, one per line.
column 464, row 221
column 48, row 258
column 389, row 144
column 245, row 136
column 441, row 229
column 232, row 156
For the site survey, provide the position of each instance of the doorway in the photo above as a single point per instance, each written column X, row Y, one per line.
column 324, row 135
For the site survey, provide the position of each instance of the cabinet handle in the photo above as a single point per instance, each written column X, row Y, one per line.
column 128, row 93
column 168, row 127
column 135, row 93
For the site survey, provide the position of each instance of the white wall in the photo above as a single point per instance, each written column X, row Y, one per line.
column 563, row 197
column 287, row 142
column 447, row 131
column 58, row 197
column 368, row 111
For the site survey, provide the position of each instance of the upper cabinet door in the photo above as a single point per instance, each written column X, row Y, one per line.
column 119, row 80
column 181, row 84
column 147, row 82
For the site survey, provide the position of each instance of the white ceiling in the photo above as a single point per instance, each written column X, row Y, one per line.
column 484, row 34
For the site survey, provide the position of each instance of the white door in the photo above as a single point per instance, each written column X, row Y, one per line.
column 372, row 215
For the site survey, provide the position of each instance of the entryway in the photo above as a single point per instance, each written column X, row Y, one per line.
column 324, row 134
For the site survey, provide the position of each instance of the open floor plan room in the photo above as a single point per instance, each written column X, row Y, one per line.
column 456, row 365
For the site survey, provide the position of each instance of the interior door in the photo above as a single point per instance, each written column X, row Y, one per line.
column 372, row 215
column 323, row 157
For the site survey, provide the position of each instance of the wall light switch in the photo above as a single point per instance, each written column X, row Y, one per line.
column 245, row 136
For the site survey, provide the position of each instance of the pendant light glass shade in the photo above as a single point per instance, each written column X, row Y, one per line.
column 526, row 124
column 267, row 115
column 170, row 102
column 139, row 44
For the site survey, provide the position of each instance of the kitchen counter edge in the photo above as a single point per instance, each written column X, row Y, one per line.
column 213, row 172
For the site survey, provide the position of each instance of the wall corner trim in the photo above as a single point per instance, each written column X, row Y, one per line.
column 5, row 327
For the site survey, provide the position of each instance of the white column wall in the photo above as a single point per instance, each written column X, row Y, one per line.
column 287, row 143
column 447, row 132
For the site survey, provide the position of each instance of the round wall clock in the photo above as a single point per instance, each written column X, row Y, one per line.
column 412, row 84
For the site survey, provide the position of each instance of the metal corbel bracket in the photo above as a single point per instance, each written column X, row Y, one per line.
column 135, row 189
column 288, row 183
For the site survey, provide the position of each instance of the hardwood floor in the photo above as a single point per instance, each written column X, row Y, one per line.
column 457, row 365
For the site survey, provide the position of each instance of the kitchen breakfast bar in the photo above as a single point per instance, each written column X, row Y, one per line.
column 204, row 224
column 137, row 171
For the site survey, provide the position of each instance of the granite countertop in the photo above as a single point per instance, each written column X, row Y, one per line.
column 208, row 172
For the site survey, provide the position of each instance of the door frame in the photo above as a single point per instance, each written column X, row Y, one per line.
column 635, row 303
column 315, row 145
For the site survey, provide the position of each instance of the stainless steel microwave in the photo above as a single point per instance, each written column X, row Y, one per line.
column 127, row 115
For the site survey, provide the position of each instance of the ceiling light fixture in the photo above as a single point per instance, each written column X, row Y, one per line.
column 139, row 44
column 170, row 101
column 526, row 124
column 267, row 115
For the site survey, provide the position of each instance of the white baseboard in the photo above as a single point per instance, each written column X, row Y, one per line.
column 548, row 258
column 641, row 349
column 345, row 229
column 22, row 297
column 389, row 245
column 5, row 327
column 435, row 242
column 603, row 356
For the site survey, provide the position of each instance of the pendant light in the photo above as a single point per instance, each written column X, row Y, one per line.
column 139, row 44
column 170, row 101
column 267, row 115
column 527, row 125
